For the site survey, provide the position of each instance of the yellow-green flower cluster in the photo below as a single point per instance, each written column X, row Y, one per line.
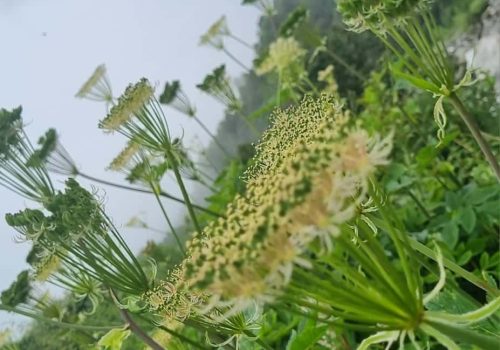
column 135, row 97
column 122, row 160
column 326, row 76
column 214, row 34
column 172, row 299
column 97, row 86
column 283, row 53
column 309, row 173
column 292, row 127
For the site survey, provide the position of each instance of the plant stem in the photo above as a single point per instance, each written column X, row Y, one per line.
column 476, row 133
column 141, row 190
column 346, row 65
column 183, row 338
column 248, row 123
column 258, row 340
column 56, row 323
column 419, row 204
column 212, row 136
column 455, row 268
column 466, row 335
column 133, row 326
column 139, row 332
column 185, row 195
column 231, row 56
column 241, row 41
column 181, row 248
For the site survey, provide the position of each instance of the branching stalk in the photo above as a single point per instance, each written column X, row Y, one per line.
column 171, row 158
column 476, row 133
column 141, row 190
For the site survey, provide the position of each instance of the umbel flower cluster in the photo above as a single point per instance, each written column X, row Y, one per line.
column 218, row 86
column 309, row 173
column 377, row 15
column 18, row 172
column 97, row 86
column 216, row 32
column 283, row 53
column 79, row 234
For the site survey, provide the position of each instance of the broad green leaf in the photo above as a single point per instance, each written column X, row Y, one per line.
column 426, row 156
column 481, row 195
column 467, row 218
column 464, row 258
column 450, row 234
column 484, row 261
column 306, row 338
column 453, row 200
column 113, row 340
column 418, row 82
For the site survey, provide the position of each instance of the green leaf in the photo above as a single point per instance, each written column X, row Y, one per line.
column 450, row 234
column 306, row 338
column 484, row 261
column 418, row 82
column 113, row 340
column 464, row 258
column 481, row 195
column 453, row 200
column 467, row 218
column 426, row 156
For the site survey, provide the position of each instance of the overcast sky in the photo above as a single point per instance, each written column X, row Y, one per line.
column 50, row 47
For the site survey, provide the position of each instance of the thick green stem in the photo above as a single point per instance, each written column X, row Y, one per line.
column 185, row 195
column 134, row 327
column 476, row 133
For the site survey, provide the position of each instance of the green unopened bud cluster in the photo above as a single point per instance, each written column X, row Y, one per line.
column 18, row 170
column 217, row 85
column 174, row 96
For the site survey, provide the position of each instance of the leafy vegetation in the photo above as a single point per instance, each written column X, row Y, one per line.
column 366, row 213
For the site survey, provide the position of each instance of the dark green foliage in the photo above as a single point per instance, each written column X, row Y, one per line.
column 18, row 292
column 169, row 92
column 10, row 127
column 48, row 143
column 76, row 209
column 294, row 20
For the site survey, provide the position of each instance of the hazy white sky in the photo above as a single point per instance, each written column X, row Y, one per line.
column 50, row 47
